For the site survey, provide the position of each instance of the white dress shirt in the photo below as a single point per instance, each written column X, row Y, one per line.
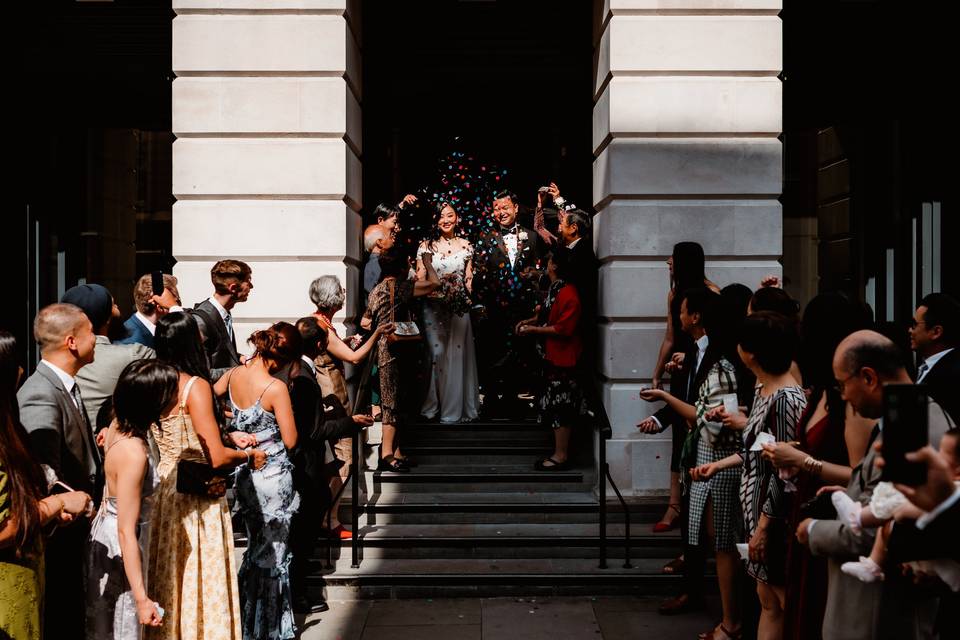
column 511, row 241
column 68, row 380
column 147, row 322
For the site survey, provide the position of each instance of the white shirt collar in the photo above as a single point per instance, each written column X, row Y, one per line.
column 219, row 307
column 702, row 345
column 309, row 362
column 574, row 243
column 145, row 321
column 67, row 379
column 932, row 361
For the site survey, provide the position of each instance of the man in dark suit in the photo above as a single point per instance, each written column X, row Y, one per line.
column 53, row 413
column 696, row 305
column 142, row 324
column 232, row 282
column 318, row 421
column 934, row 333
column 506, row 271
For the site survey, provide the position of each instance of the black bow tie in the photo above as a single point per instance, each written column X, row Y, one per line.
column 508, row 230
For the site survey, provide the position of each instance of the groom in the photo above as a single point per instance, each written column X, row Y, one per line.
column 505, row 284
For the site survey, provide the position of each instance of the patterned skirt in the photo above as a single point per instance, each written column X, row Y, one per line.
column 562, row 403
column 723, row 489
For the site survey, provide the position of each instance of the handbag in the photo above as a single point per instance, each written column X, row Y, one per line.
column 197, row 478
column 406, row 331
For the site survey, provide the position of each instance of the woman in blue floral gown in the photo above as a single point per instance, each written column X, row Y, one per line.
column 262, row 410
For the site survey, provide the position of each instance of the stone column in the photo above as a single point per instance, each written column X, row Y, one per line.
column 266, row 165
column 686, row 118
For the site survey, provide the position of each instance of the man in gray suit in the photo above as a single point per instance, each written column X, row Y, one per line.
column 52, row 411
column 864, row 362
column 98, row 379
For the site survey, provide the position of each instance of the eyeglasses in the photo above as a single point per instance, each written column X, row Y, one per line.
column 840, row 385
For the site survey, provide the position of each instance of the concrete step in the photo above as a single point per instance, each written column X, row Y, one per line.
column 433, row 478
column 478, row 453
column 427, row 578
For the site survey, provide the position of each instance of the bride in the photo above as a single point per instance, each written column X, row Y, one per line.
column 453, row 393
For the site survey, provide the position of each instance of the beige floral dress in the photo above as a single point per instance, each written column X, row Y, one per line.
column 192, row 568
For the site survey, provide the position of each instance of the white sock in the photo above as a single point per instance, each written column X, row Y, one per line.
column 848, row 510
column 866, row 570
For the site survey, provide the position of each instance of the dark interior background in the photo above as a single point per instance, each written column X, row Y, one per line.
column 512, row 80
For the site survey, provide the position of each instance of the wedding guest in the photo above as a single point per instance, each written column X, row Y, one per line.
column 25, row 509
column 686, row 268
column 53, row 413
column 389, row 302
column 98, row 379
column 142, row 324
column 864, row 362
column 232, row 283
column 506, row 270
column 934, row 334
column 453, row 393
column 318, row 420
column 546, row 218
column 767, row 346
column 711, row 453
column 192, row 570
column 328, row 295
column 262, row 410
column 117, row 599
column 376, row 240
column 562, row 403
column 575, row 234
column 832, row 440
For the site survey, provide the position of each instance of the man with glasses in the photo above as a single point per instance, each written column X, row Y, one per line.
column 863, row 364
column 934, row 334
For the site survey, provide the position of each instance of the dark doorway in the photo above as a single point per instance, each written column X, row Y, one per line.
column 511, row 80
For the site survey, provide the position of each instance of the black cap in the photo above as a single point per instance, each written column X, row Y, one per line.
column 95, row 301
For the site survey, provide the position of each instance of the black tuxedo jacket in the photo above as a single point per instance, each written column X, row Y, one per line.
column 943, row 382
column 220, row 347
column 489, row 276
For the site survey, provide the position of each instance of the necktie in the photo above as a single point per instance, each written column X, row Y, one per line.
column 922, row 371
column 228, row 320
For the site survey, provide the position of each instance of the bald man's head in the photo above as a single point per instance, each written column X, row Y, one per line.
column 377, row 238
column 863, row 362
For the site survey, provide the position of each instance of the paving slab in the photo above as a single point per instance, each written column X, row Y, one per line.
column 539, row 619
column 344, row 621
column 428, row 632
column 453, row 611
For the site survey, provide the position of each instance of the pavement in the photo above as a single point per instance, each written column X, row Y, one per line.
column 549, row 618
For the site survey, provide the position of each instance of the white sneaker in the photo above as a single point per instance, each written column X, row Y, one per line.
column 848, row 510
column 866, row 570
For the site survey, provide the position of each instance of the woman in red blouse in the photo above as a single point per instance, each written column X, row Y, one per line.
column 562, row 403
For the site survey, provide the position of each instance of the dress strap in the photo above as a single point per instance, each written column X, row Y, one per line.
column 186, row 393
column 265, row 390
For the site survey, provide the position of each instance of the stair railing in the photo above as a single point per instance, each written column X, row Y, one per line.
column 605, row 433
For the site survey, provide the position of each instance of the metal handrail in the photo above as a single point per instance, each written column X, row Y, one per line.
column 605, row 432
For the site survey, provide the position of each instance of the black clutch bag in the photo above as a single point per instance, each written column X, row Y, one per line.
column 200, row 479
column 819, row 508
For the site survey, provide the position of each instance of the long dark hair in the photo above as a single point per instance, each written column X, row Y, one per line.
column 434, row 234
column 178, row 342
column 827, row 319
column 25, row 479
column 145, row 388
column 278, row 346
column 688, row 267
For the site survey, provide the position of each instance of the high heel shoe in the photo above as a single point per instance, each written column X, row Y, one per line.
column 663, row 527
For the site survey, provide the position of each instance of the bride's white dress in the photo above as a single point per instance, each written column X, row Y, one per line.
column 454, row 391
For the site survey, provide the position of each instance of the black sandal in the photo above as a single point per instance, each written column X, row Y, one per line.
column 392, row 464
column 553, row 466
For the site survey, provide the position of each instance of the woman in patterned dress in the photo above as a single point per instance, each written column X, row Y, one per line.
column 192, row 569
column 118, row 601
column 262, row 410
column 713, row 503
column 390, row 301
column 768, row 345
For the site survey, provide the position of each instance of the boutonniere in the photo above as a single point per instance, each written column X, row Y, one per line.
column 522, row 235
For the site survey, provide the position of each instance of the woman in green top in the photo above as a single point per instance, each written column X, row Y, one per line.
column 23, row 511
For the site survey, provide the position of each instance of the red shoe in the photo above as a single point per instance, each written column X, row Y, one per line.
column 341, row 532
column 663, row 527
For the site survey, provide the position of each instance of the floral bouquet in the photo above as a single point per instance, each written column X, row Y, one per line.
column 452, row 294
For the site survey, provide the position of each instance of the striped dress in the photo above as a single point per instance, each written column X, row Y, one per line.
column 761, row 489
